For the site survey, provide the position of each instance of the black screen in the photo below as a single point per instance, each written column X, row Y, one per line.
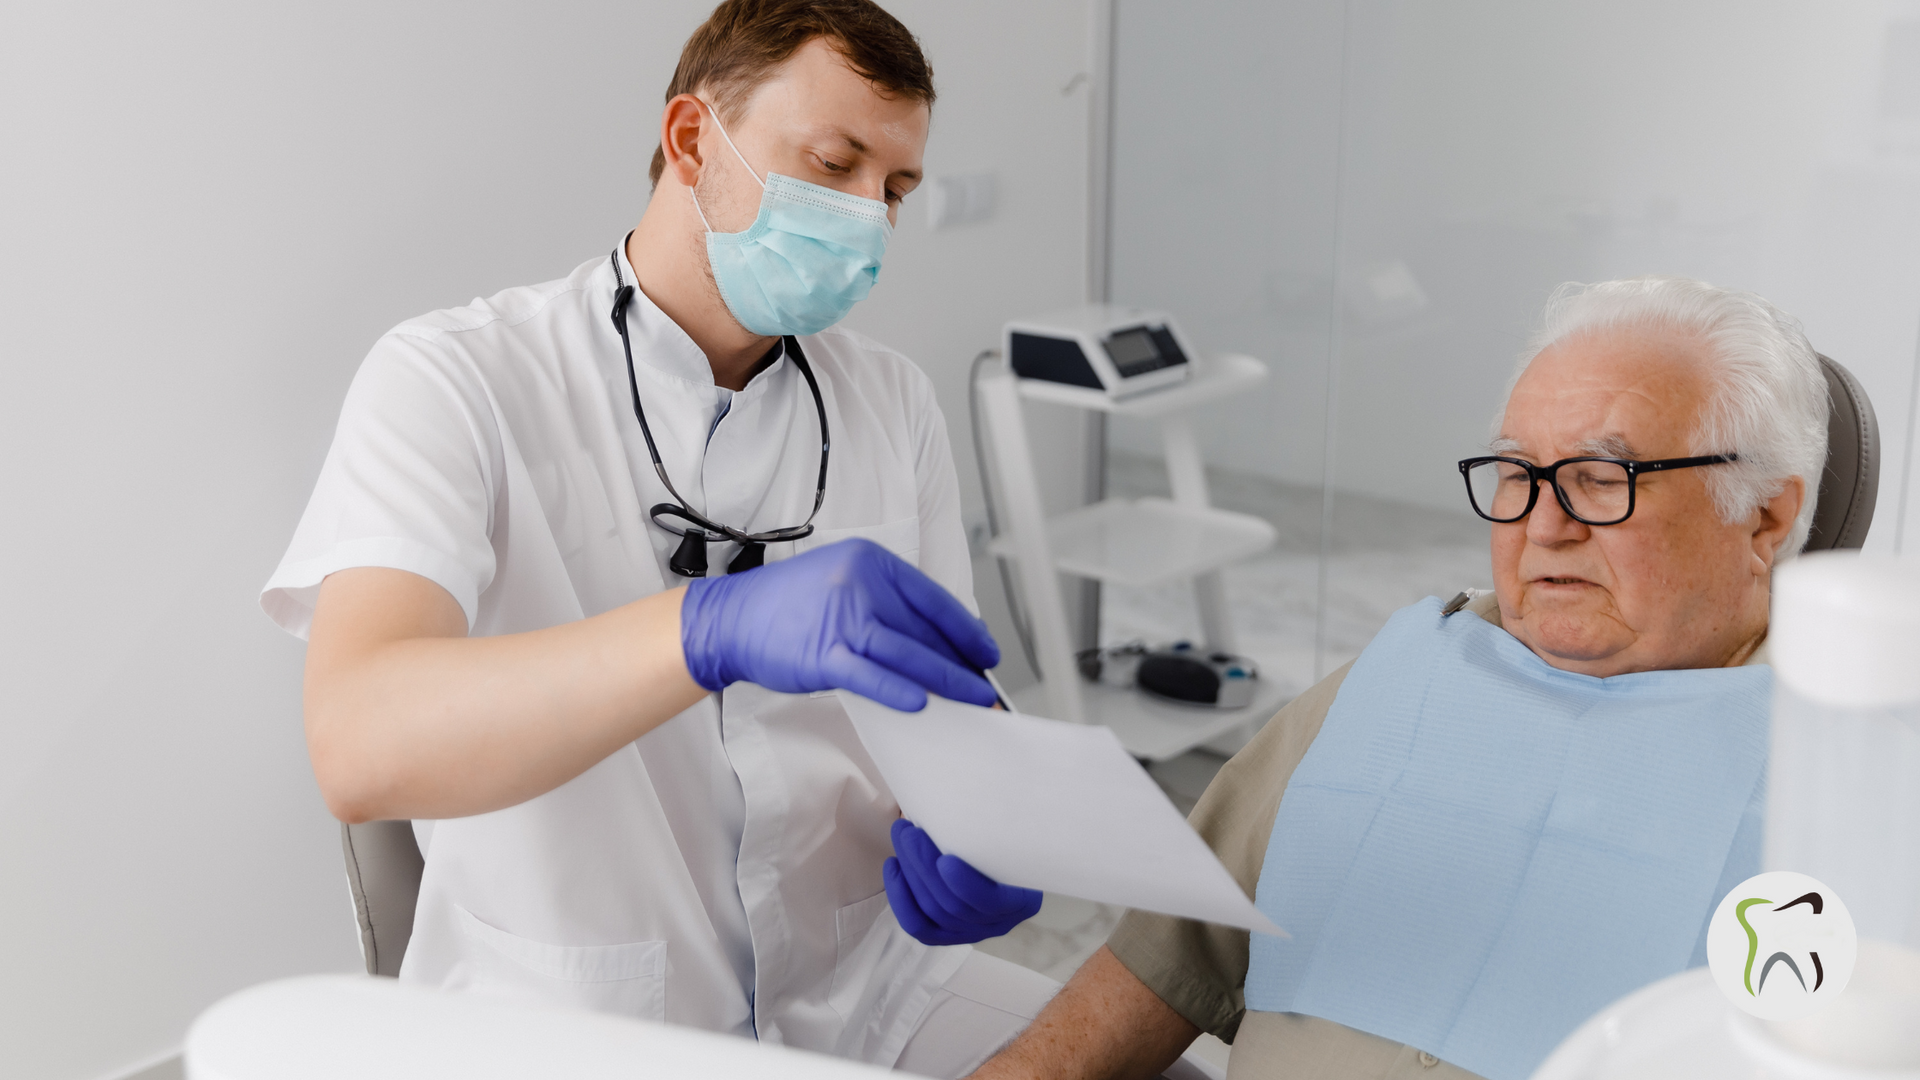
column 1052, row 359
column 1141, row 349
column 1129, row 348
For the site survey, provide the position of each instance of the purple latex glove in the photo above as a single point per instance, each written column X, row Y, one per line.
column 941, row 900
column 847, row 616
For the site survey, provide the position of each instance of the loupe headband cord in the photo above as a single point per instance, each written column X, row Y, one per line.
column 826, row 441
column 620, row 301
column 623, row 295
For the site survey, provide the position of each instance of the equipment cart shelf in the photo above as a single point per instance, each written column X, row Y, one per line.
column 1147, row 541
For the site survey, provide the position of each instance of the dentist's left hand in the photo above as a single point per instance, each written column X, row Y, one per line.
column 941, row 900
column 847, row 616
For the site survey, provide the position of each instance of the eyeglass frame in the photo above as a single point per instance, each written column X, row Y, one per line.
column 1550, row 473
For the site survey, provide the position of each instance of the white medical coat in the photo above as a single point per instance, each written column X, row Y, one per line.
column 722, row 871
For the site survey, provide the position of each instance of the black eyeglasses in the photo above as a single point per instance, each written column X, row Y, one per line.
column 1593, row 490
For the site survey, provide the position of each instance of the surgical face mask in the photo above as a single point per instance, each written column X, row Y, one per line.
column 810, row 255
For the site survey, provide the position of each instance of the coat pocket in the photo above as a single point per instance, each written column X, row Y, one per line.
column 628, row 979
column 862, row 930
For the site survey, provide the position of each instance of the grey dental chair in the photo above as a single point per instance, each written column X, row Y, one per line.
column 384, row 863
column 1851, row 481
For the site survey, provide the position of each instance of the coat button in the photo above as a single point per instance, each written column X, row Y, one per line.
column 1428, row 1061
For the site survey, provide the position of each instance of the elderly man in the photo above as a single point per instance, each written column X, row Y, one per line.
column 1499, row 818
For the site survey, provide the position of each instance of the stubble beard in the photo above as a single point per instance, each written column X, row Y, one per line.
column 697, row 239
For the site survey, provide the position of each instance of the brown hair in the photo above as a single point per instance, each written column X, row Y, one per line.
column 743, row 41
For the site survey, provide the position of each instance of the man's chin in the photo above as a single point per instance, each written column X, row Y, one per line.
column 1572, row 653
column 1571, row 629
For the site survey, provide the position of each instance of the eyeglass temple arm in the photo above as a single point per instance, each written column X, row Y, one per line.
column 621, row 299
column 1684, row 463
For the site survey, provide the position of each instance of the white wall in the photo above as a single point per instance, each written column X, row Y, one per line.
column 1497, row 146
column 1226, row 143
column 208, row 212
column 943, row 295
column 1494, row 149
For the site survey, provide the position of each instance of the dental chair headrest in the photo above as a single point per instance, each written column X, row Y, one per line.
column 1851, row 481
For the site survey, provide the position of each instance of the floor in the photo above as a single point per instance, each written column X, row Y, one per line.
column 1380, row 556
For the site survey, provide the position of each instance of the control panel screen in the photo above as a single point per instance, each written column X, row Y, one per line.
column 1142, row 349
column 1130, row 347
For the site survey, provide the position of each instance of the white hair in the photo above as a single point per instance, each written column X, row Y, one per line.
column 1768, row 399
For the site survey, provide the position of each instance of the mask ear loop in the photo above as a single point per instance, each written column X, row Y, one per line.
column 715, row 113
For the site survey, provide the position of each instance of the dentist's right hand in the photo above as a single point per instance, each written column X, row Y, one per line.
column 847, row 616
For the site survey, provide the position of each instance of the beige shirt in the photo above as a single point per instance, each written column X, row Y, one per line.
column 1200, row 969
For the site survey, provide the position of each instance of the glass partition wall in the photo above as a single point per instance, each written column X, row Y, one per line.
column 1377, row 197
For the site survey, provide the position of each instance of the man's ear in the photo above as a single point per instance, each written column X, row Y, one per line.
column 680, row 127
column 1775, row 522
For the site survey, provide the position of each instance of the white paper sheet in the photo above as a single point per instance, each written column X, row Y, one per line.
column 1048, row 805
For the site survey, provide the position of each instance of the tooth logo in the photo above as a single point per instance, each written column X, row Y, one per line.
column 1781, row 945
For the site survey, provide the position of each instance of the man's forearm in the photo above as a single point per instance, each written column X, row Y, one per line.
column 1105, row 1024
column 407, row 717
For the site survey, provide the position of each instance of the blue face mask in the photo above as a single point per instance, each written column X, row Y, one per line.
column 809, row 257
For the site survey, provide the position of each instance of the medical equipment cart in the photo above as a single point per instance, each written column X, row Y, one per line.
column 1133, row 542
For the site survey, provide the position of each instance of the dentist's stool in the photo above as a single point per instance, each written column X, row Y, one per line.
column 383, row 874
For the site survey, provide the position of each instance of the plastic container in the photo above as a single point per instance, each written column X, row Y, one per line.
column 1843, row 798
column 1843, row 795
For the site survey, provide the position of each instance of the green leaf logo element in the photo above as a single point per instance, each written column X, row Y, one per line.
column 1753, row 939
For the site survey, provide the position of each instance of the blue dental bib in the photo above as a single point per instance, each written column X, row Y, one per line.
column 1479, row 850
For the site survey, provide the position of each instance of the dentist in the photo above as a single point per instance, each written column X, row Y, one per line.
column 585, row 556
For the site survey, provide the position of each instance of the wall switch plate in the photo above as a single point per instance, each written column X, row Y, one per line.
column 958, row 200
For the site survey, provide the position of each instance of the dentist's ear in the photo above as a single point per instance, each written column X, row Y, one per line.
column 681, row 126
